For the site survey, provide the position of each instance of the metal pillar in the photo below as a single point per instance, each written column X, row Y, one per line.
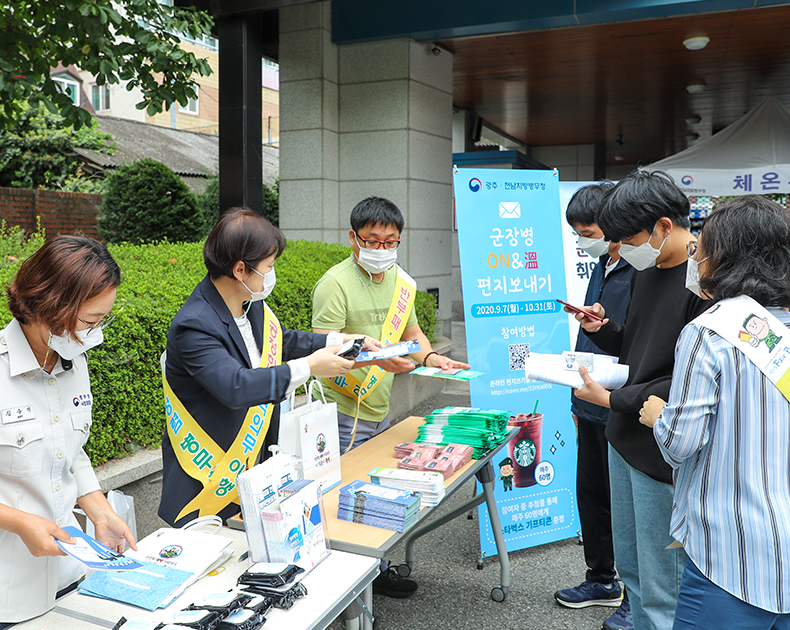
column 240, row 112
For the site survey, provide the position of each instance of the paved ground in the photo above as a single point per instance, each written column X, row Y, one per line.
column 454, row 593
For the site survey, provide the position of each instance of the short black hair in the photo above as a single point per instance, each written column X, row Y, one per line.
column 374, row 211
column 638, row 201
column 583, row 206
column 747, row 244
column 240, row 234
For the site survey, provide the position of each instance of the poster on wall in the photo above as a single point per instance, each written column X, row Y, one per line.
column 512, row 252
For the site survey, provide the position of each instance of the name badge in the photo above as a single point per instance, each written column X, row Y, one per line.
column 17, row 414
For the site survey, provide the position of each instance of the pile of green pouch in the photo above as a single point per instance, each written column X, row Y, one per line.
column 482, row 429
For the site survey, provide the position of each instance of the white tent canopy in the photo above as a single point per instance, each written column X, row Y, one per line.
column 751, row 156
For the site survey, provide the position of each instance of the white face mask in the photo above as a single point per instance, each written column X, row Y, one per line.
column 596, row 247
column 377, row 260
column 643, row 256
column 692, row 278
column 69, row 349
column 269, row 280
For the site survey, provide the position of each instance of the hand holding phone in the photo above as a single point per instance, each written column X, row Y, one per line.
column 577, row 309
column 351, row 349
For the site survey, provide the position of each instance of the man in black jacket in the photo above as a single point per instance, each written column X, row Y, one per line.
column 610, row 285
column 648, row 214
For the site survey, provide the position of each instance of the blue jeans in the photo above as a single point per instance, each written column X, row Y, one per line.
column 365, row 430
column 702, row 606
column 641, row 511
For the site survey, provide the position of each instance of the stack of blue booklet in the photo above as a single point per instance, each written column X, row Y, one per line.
column 379, row 506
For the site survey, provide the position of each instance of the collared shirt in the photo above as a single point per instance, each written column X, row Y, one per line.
column 726, row 432
column 300, row 368
column 46, row 420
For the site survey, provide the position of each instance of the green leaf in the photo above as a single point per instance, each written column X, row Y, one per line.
column 134, row 43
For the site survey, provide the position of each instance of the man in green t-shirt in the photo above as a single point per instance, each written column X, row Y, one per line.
column 370, row 294
column 358, row 294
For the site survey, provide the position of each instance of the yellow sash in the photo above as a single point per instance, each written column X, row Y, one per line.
column 197, row 453
column 400, row 308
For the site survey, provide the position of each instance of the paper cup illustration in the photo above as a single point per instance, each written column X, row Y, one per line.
column 524, row 448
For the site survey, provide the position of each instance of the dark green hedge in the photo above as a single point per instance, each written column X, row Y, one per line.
column 157, row 279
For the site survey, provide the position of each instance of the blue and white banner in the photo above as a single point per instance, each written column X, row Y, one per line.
column 512, row 243
column 763, row 180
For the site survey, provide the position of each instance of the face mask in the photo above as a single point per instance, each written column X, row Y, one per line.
column 692, row 278
column 643, row 256
column 68, row 349
column 596, row 247
column 377, row 260
column 269, row 280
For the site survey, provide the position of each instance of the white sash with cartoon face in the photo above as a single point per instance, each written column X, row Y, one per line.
column 757, row 333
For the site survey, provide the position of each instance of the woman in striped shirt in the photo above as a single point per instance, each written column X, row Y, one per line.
column 726, row 430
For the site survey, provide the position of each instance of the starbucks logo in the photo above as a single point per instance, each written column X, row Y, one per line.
column 524, row 452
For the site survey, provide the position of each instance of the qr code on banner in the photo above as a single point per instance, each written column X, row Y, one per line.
column 517, row 352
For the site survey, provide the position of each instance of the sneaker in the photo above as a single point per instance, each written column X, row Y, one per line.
column 391, row 584
column 621, row 619
column 590, row 594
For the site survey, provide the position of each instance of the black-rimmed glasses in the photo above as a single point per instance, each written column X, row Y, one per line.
column 370, row 244
column 692, row 248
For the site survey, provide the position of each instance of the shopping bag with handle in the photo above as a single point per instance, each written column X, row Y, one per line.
column 310, row 432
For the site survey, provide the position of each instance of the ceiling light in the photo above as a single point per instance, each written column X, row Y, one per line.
column 696, row 88
column 693, row 119
column 696, row 43
column 619, row 158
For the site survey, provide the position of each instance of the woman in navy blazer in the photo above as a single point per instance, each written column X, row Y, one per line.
column 214, row 346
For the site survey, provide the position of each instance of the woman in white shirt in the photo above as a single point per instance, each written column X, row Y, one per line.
column 61, row 299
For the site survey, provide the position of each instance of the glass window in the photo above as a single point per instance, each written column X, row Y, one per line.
column 71, row 88
column 191, row 106
column 100, row 97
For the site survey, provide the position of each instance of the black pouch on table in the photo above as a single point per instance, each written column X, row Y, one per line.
column 242, row 619
column 224, row 603
column 194, row 619
column 266, row 574
column 257, row 603
column 282, row 597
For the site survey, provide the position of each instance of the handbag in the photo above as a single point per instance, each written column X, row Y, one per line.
column 310, row 432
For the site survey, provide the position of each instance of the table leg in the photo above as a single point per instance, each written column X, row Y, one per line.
column 367, row 599
column 486, row 477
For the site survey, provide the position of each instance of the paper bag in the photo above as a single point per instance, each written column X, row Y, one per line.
column 310, row 432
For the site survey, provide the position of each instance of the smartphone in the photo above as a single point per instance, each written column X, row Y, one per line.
column 351, row 349
column 576, row 309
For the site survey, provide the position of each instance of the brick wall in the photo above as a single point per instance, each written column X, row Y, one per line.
column 60, row 212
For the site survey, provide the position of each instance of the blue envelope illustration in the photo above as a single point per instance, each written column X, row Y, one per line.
column 509, row 210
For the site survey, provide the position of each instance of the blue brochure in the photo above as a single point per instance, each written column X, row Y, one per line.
column 389, row 351
column 93, row 554
column 147, row 586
